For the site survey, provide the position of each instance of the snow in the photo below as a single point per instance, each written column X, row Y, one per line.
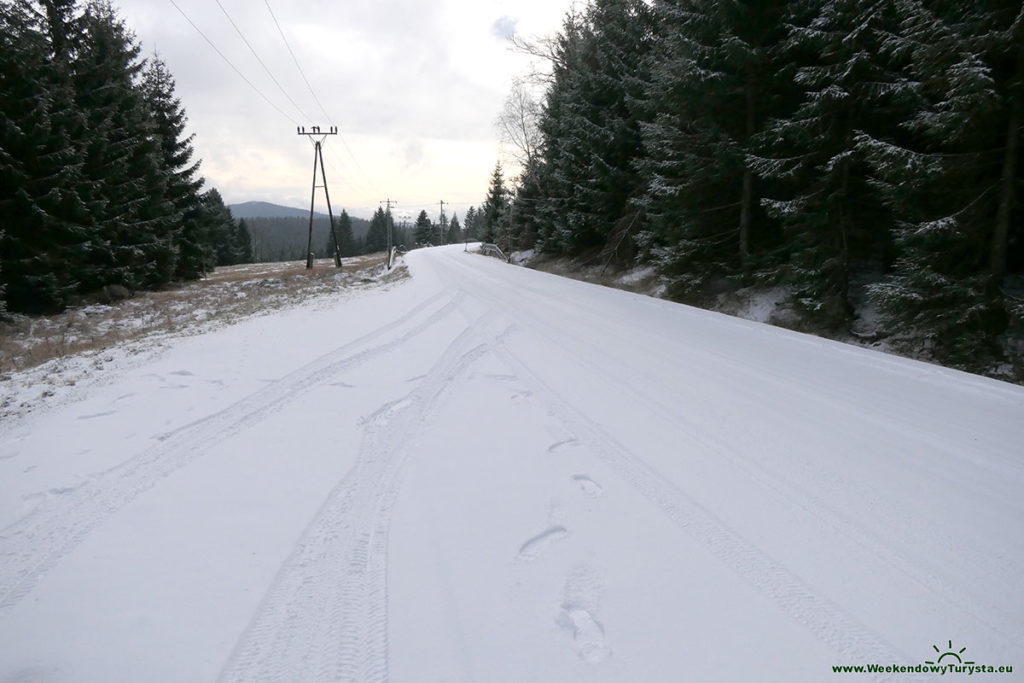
column 492, row 473
column 757, row 305
column 637, row 275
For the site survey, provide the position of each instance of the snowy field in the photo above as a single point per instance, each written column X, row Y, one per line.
column 45, row 360
column 489, row 473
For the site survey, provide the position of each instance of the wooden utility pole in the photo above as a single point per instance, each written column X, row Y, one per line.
column 387, row 219
column 440, row 221
column 318, row 136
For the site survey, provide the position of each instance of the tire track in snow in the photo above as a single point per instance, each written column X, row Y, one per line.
column 35, row 543
column 816, row 504
column 325, row 616
column 826, row 620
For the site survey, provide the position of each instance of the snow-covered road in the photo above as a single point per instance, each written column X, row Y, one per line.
column 488, row 473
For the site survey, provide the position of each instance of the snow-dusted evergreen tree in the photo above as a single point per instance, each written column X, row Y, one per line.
column 242, row 239
column 44, row 217
column 3, row 287
column 524, row 222
column 377, row 234
column 956, row 183
column 423, row 231
column 470, row 223
column 831, row 214
column 346, row 243
column 591, row 128
column 715, row 78
column 93, row 162
column 454, row 230
column 441, row 228
column 179, row 167
column 218, row 226
column 495, row 207
column 133, row 244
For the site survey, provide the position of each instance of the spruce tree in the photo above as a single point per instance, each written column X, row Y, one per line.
column 179, row 167
column 220, row 230
column 494, row 208
column 955, row 183
column 345, row 240
column 470, row 223
column 242, row 243
column 831, row 213
column 714, row 81
column 454, row 230
column 591, row 129
column 377, row 235
column 524, row 215
column 346, row 243
column 133, row 243
column 45, row 219
column 423, row 231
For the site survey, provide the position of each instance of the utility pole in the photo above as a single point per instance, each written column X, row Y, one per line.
column 318, row 136
column 440, row 222
column 387, row 216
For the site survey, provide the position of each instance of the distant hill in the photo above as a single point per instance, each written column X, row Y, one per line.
column 249, row 210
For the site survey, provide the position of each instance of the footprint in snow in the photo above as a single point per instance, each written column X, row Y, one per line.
column 588, row 485
column 564, row 443
column 582, row 595
column 587, row 633
column 95, row 415
column 532, row 549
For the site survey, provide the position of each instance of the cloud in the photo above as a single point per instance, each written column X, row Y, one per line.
column 504, row 27
column 414, row 153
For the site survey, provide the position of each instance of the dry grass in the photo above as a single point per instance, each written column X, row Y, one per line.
column 637, row 280
column 229, row 294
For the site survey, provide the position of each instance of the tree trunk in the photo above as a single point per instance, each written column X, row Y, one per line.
column 997, row 255
column 747, row 193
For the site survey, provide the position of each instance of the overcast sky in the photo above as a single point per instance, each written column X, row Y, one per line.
column 413, row 85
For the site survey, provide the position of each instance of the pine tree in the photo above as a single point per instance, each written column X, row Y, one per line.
column 423, row 231
column 591, row 128
column 220, row 229
column 454, row 230
column 243, row 243
column 470, row 227
column 524, row 218
column 181, row 172
column 345, row 240
column 45, row 220
column 133, row 243
column 3, row 286
column 346, row 243
column 833, row 214
column 377, row 235
column 494, row 208
column 441, row 229
column 955, row 182
column 715, row 79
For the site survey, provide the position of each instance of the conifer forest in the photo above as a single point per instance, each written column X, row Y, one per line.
column 99, row 186
column 862, row 156
column 865, row 156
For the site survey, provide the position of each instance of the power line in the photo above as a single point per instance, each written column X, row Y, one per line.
column 310, row 87
column 295, row 59
column 254, row 54
column 240, row 74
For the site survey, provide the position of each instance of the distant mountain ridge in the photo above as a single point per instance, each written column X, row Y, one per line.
column 267, row 210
